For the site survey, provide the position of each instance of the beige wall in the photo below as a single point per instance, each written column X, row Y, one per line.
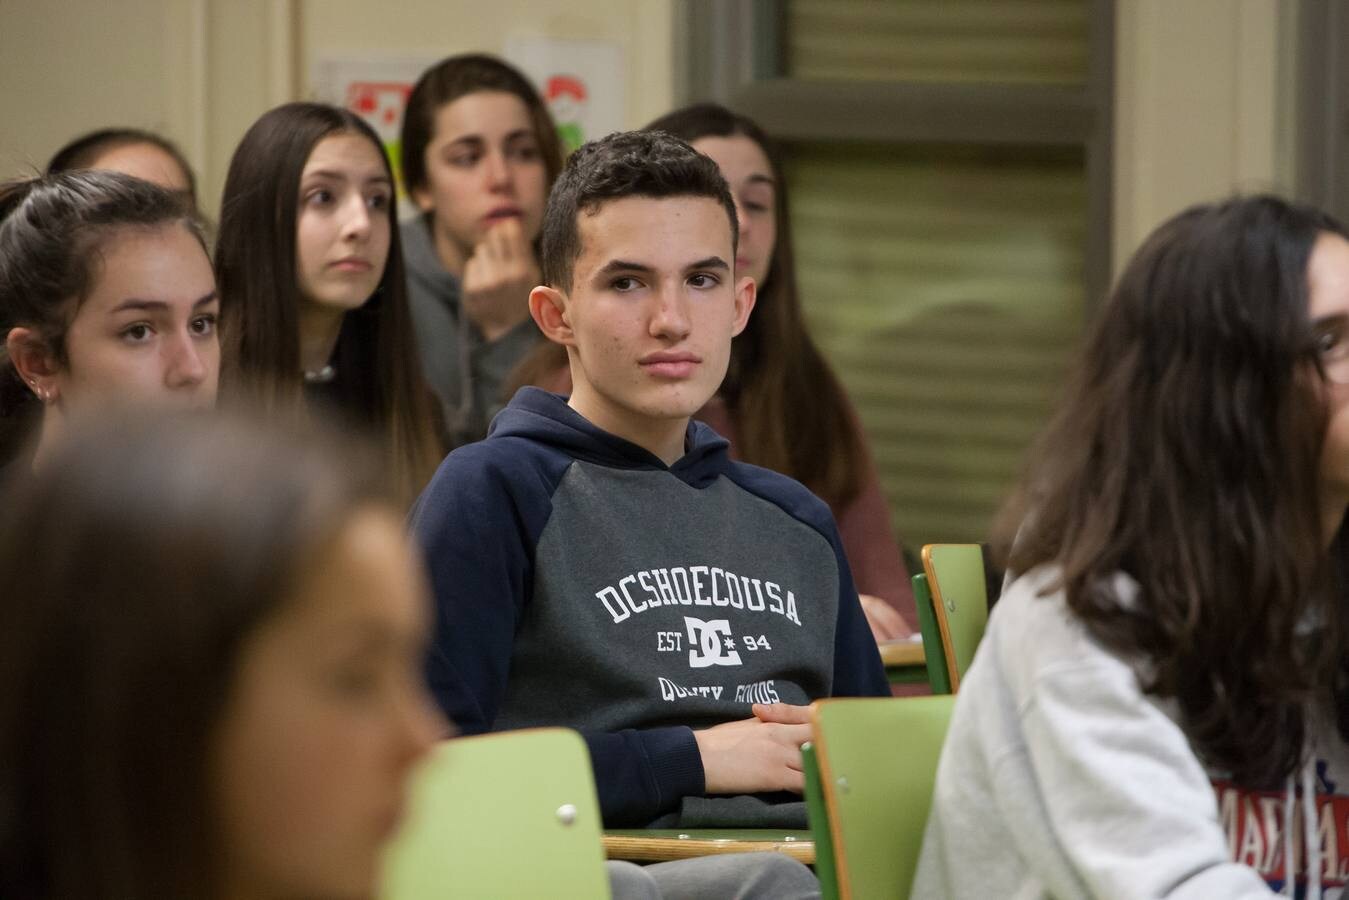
column 1200, row 110
column 644, row 29
column 77, row 65
column 201, row 71
column 1202, row 107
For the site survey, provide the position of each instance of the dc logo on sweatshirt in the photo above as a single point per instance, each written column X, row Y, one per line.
column 710, row 643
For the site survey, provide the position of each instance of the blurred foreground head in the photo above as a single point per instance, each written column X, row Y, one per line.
column 210, row 651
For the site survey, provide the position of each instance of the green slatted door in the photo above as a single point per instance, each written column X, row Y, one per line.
column 938, row 41
column 946, row 287
column 945, row 281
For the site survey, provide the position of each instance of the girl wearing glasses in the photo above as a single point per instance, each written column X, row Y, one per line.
column 1159, row 705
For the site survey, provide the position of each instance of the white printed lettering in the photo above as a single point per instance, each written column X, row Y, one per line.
column 733, row 594
column 1270, row 813
column 698, row 586
column 616, row 608
column 758, row 692
column 774, row 597
column 644, row 579
column 1252, row 849
column 1326, row 837
column 756, row 604
column 670, row 691
column 689, row 586
column 623, row 586
column 663, row 585
column 679, row 577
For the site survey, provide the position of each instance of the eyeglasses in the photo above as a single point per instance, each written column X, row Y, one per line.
column 1330, row 342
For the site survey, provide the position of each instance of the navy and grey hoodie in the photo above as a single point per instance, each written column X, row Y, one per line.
column 581, row 582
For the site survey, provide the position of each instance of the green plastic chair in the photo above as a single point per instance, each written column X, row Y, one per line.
column 503, row 815
column 937, row 677
column 818, row 816
column 955, row 574
column 877, row 763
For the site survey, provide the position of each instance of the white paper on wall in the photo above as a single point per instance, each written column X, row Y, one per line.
column 374, row 87
column 582, row 82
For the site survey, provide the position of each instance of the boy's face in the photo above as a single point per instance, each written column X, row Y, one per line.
column 652, row 308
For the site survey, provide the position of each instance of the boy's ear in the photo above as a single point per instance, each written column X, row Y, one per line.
column 548, row 306
column 746, row 292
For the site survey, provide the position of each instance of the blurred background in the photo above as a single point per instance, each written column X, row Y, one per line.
column 966, row 175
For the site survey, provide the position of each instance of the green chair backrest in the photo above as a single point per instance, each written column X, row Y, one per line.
column 878, row 760
column 955, row 574
column 503, row 815
column 937, row 677
column 818, row 816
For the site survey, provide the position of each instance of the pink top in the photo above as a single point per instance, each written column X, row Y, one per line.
column 869, row 541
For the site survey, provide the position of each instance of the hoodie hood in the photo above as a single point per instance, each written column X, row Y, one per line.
column 425, row 273
column 546, row 418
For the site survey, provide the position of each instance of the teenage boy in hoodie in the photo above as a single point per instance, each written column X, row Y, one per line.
column 600, row 562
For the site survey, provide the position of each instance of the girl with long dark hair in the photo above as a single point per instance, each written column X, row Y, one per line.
column 1174, row 622
column 311, row 270
column 781, row 405
column 106, row 297
column 132, row 151
column 480, row 153
column 210, row 650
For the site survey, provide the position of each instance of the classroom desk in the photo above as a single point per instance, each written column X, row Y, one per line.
column 905, row 662
column 661, row 845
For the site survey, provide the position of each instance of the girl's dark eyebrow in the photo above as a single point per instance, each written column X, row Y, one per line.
column 477, row 140
column 332, row 175
column 138, row 304
column 474, row 140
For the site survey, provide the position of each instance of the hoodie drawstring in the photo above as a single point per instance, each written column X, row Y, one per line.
column 1289, row 864
column 1311, row 833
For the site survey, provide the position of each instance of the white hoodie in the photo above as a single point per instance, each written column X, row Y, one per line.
column 1061, row 778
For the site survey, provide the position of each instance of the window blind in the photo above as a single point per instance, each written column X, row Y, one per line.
column 945, row 285
column 952, row 41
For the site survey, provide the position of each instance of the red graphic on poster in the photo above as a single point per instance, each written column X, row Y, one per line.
column 381, row 105
column 379, row 102
column 566, row 96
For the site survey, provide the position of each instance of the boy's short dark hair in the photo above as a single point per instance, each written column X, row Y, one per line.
column 627, row 164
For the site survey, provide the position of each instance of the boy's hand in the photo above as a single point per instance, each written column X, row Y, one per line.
column 498, row 278
column 752, row 755
column 781, row 713
column 886, row 623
